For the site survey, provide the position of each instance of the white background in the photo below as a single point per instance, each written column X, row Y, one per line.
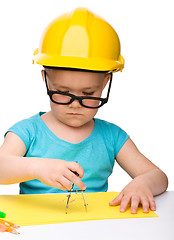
column 141, row 100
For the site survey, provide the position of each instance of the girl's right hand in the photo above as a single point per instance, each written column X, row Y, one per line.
column 58, row 173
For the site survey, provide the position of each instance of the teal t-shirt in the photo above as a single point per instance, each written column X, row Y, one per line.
column 96, row 154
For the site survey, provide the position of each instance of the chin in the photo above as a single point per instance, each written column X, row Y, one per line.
column 75, row 122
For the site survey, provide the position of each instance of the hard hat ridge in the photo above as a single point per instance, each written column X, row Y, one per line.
column 76, row 41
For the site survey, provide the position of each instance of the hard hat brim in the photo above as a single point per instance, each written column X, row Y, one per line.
column 93, row 64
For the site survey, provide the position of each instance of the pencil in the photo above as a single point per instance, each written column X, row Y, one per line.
column 7, row 223
column 8, row 226
column 2, row 227
column 11, row 230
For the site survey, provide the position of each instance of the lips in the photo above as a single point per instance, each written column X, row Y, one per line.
column 74, row 114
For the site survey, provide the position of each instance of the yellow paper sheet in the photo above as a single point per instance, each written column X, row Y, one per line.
column 28, row 210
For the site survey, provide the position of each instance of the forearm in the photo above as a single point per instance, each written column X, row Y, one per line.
column 52, row 172
column 15, row 169
column 156, row 180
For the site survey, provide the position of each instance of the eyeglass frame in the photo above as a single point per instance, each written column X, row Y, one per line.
column 50, row 93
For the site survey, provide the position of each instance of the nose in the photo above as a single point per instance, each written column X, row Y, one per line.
column 75, row 104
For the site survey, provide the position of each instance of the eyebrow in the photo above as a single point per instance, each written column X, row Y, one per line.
column 69, row 89
column 93, row 87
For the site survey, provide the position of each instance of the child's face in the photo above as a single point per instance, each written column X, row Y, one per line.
column 78, row 83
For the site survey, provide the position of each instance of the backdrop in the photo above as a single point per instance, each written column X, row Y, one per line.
column 141, row 99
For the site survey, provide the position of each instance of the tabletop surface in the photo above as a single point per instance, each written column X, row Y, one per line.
column 159, row 228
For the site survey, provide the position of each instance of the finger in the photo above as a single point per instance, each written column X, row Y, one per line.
column 124, row 202
column 75, row 179
column 152, row 204
column 135, row 200
column 116, row 201
column 59, row 186
column 145, row 205
column 75, row 167
column 56, row 184
column 65, row 183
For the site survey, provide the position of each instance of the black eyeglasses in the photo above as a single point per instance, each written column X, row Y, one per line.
column 63, row 98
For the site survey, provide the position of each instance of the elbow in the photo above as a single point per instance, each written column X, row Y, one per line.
column 162, row 183
column 166, row 181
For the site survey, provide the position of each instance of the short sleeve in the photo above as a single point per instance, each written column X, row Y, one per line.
column 115, row 137
column 119, row 138
column 22, row 129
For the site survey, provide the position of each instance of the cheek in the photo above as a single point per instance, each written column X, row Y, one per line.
column 90, row 113
column 57, row 108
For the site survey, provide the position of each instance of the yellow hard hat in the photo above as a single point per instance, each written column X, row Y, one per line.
column 81, row 40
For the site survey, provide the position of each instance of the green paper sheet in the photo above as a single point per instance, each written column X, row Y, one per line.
column 26, row 210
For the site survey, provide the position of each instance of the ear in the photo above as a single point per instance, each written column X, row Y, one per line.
column 106, row 80
column 42, row 73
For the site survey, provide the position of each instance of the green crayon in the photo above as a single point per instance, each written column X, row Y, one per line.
column 2, row 215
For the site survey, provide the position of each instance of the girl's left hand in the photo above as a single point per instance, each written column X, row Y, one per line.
column 135, row 192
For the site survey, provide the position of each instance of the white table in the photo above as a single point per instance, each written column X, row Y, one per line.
column 121, row 229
